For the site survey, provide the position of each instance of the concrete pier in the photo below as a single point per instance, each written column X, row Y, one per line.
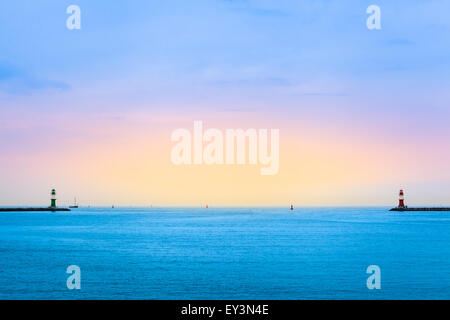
column 52, row 207
column 32, row 209
column 402, row 207
column 419, row 209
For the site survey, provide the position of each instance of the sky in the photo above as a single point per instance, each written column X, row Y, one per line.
column 361, row 113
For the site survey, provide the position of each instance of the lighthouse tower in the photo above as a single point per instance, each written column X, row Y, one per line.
column 53, row 199
column 401, row 199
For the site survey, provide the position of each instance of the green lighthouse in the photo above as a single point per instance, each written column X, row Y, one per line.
column 53, row 199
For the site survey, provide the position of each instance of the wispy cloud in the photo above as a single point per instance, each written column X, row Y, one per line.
column 282, row 82
column 325, row 94
column 15, row 81
column 399, row 42
column 261, row 12
column 243, row 6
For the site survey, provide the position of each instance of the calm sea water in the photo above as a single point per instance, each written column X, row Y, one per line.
column 310, row 253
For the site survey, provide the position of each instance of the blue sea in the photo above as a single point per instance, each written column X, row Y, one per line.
column 225, row 253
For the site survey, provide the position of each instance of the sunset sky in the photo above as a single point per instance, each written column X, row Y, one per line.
column 90, row 112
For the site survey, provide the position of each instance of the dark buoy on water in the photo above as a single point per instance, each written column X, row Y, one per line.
column 206, row 206
column 292, row 207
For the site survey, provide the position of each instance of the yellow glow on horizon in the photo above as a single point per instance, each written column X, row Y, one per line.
column 129, row 164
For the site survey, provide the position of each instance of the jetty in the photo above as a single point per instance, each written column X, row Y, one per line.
column 52, row 207
column 420, row 209
column 32, row 209
column 401, row 206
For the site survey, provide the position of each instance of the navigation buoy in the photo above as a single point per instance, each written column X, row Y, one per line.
column 206, row 206
column 292, row 207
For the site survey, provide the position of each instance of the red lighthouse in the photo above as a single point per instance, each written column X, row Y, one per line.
column 401, row 199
